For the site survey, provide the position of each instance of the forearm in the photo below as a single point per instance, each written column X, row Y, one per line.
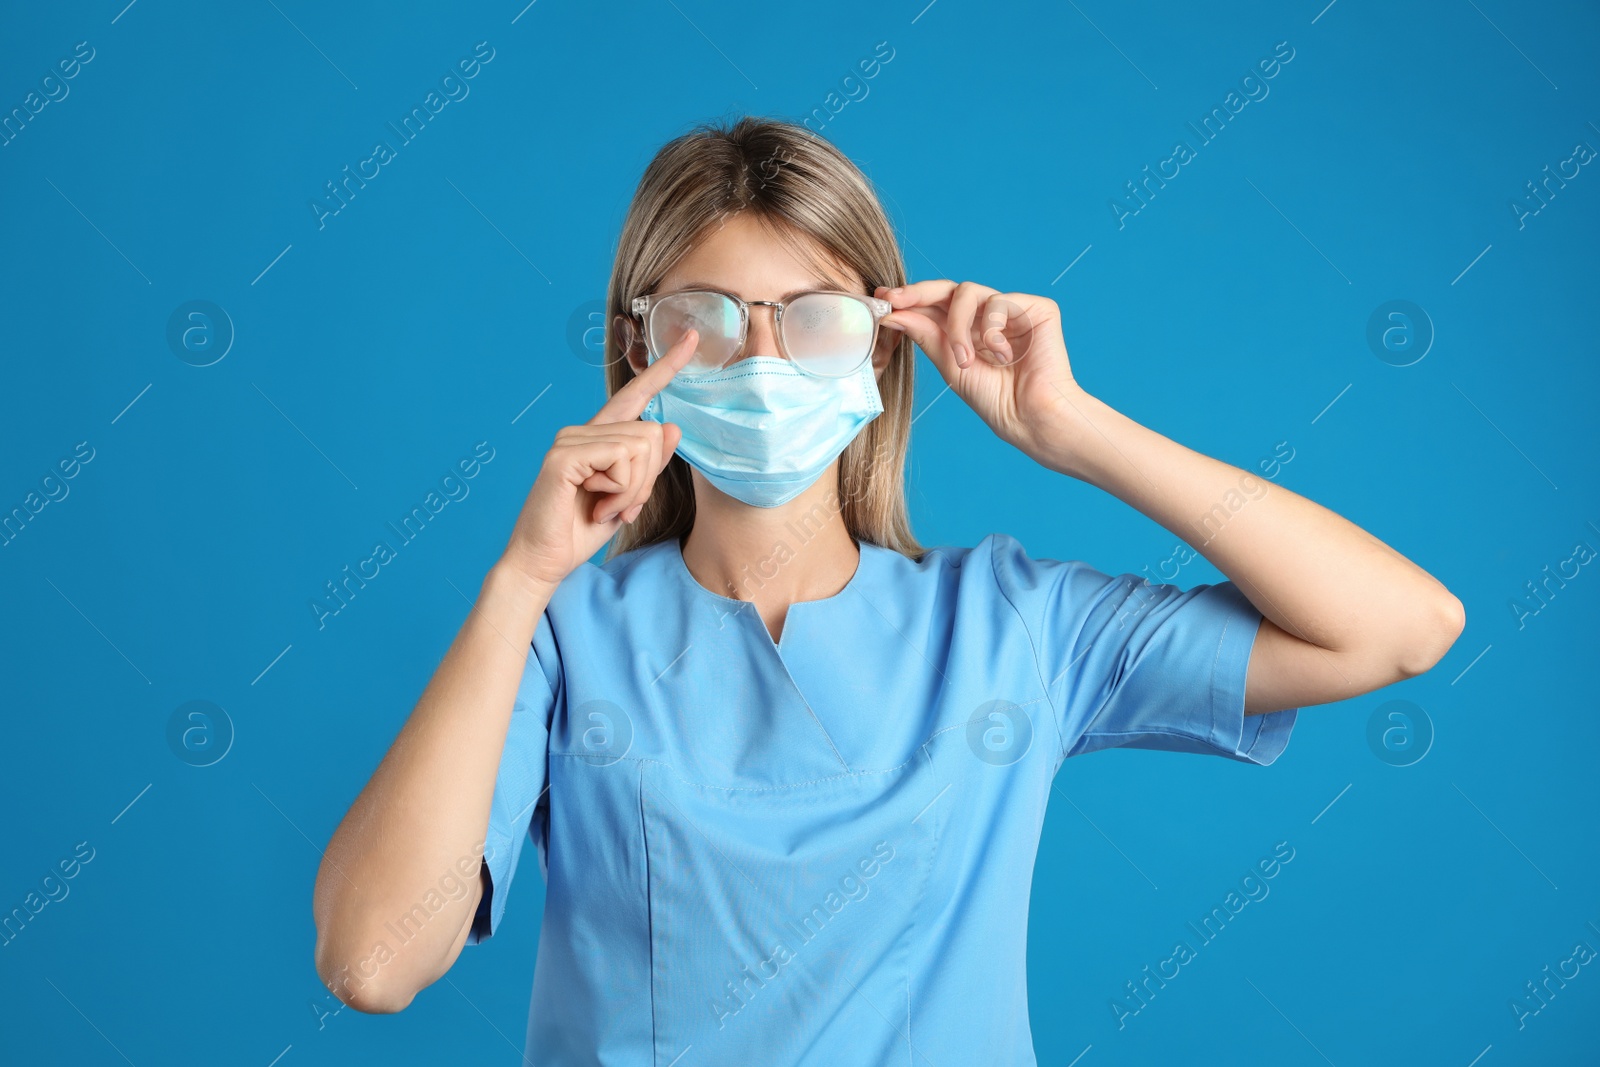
column 424, row 813
column 1311, row 572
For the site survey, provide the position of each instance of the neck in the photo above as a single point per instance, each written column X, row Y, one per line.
column 772, row 557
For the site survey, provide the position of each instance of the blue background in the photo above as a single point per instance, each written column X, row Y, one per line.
column 1230, row 313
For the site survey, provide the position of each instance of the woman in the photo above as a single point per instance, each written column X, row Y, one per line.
column 785, row 768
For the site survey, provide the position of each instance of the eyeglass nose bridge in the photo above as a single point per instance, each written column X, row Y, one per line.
column 777, row 317
column 742, row 350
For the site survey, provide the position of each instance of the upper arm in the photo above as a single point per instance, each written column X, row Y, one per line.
column 475, row 898
column 475, row 895
column 1289, row 672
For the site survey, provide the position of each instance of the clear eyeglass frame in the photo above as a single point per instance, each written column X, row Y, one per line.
column 644, row 306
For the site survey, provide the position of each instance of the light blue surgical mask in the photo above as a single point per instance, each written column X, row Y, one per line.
column 761, row 429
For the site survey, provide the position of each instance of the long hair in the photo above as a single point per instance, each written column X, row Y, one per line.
column 798, row 186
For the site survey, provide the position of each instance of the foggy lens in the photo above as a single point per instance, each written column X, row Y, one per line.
column 828, row 334
column 715, row 317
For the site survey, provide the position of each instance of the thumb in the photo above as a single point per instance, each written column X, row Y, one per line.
column 928, row 337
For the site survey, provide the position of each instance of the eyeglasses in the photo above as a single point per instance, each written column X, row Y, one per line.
column 822, row 332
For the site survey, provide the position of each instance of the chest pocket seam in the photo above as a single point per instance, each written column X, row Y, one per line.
column 918, row 753
column 759, row 789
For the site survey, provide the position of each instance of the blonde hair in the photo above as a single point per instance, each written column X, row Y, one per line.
column 798, row 186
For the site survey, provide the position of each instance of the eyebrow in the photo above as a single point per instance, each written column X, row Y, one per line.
column 816, row 283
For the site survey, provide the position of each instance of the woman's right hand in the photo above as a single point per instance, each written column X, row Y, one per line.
column 596, row 476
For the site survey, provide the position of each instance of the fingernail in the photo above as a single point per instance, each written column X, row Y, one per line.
column 894, row 325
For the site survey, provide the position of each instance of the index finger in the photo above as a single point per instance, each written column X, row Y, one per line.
column 629, row 402
column 920, row 294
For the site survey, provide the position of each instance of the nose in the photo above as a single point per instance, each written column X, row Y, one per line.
column 761, row 335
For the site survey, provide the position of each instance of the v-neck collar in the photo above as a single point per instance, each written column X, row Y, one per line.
column 872, row 557
column 673, row 550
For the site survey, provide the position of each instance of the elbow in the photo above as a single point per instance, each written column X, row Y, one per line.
column 375, row 999
column 348, row 959
column 358, row 981
column 1424, row 645
column 380, row 1003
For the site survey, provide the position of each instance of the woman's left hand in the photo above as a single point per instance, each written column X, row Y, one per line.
column 1012, row 366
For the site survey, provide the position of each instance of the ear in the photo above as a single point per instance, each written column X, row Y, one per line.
column 631, row 342
column 883, row 350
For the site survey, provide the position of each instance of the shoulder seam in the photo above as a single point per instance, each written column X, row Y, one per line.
column 1033, row 646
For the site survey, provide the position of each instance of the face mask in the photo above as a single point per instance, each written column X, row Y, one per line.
column 761, row 429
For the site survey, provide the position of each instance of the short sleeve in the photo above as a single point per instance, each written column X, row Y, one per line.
column 1131, row 663
column 520, row 811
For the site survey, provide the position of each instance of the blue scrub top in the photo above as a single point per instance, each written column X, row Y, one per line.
column 816, row 850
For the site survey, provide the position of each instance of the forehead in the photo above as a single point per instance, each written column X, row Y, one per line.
column 742, row 253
